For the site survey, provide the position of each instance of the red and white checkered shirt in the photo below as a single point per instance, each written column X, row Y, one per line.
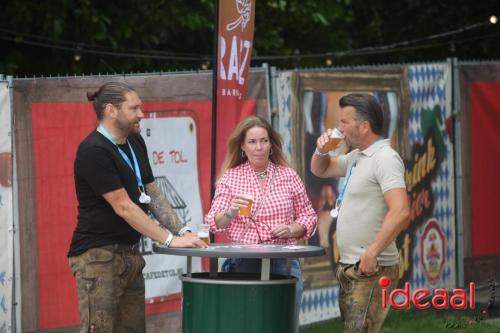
column 286, row 203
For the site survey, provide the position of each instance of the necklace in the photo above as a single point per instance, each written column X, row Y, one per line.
column 261, row 175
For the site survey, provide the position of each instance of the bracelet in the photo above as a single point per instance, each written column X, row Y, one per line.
column 229, row 214
column 170, row 237
column 183, row 230
column 317, row 152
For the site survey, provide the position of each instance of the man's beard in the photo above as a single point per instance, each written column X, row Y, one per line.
column 128, row 129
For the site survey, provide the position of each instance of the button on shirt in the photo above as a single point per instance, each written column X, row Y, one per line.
column 286, row 203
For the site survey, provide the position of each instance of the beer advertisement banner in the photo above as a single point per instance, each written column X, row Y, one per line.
column 428, row 245
column 53, row 117
column 308, row 105
column 235, row 43
column 416, row 102
column 6, row 211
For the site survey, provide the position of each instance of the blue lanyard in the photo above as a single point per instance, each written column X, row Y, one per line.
column 135, row 167
column 344, row 184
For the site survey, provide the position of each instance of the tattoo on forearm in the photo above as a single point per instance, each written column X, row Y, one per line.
column 162, row 210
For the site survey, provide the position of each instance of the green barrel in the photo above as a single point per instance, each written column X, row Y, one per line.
column 237, row 303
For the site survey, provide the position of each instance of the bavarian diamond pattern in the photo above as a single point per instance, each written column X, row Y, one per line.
column 430, row 85
column 319, row 304
column 284, row 126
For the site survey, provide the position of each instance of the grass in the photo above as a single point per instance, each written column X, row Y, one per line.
column 409, row 321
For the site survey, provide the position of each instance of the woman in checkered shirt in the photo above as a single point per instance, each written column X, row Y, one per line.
column 281, row 212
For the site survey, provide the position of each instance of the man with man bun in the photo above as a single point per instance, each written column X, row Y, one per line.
column 115, row 188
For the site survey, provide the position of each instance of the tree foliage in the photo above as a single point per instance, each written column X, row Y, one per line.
column 84, row 36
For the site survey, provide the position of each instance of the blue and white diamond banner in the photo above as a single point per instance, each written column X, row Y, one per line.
column 284, row 97
column 430, row 238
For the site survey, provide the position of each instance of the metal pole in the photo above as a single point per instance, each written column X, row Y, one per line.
column 215, row 66
column 457, row 153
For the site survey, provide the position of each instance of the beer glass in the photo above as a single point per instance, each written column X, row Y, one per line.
column 335, row 137
column 203, row 231
column 247, row 210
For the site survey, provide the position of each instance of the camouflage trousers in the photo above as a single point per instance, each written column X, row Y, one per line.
column 361, row 298
column 110, row 289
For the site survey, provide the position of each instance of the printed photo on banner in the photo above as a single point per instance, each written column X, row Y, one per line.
column 318, row 107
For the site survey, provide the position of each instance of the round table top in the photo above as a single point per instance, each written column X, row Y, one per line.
column 244, row 251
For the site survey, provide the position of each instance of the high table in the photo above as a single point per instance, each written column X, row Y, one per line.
column 218, row 302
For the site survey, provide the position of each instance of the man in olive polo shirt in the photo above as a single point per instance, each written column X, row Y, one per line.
column 372, row 209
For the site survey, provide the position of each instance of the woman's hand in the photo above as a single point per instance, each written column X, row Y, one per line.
column 288, row 231
column 282, row 231
column 224, row 218
column 236, row 203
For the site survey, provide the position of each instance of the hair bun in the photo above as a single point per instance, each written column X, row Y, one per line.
column 91, row 95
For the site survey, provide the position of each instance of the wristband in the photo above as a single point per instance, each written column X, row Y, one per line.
column 317, row 152
column 170, row 237
column 183, row 230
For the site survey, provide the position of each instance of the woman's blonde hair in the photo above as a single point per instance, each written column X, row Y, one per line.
column 234, row 154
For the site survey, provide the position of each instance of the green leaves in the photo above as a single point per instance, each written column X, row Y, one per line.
column 185, row 28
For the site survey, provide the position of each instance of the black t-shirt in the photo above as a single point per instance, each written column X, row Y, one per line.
column 100, row 168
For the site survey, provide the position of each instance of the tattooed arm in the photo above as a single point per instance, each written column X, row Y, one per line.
column 162, row 210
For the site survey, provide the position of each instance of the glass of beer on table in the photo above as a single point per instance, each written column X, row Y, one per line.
column 247, row 210
column 203, row 231
column 334, row 139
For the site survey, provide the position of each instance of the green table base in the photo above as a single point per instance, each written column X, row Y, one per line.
column 237, row 303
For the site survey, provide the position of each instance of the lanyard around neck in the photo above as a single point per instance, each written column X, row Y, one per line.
column 344, row 183
column 135, row 166
column 335, row 211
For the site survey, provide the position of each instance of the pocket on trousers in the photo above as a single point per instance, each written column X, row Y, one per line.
column 96, row 262
column 344, row 281
column 98, row 255
column 352, row 273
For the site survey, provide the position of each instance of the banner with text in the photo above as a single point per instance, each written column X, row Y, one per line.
column 235, row 41
column 416, row 103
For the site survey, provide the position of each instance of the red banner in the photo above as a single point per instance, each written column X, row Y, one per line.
column 235, row 40
column 485, row 146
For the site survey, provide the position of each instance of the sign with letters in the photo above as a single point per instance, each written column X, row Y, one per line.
column 235, row 43
column 172, row 150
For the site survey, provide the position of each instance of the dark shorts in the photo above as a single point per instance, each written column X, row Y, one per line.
column 361, row 298
column 110, row 289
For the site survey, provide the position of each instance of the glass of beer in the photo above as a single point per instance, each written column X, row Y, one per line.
column 335, row 137
column 247, row 210
column 203, row 231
